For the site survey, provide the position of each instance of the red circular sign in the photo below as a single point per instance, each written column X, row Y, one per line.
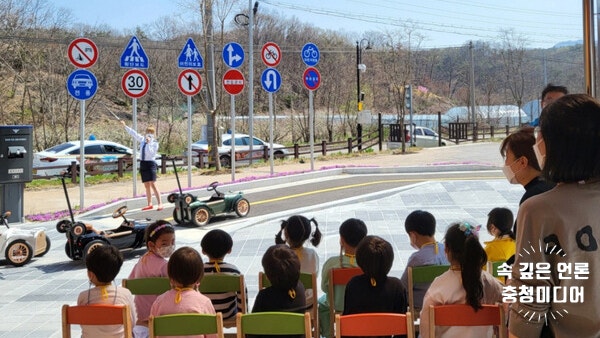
column 233, row 81
column 271, row 54
column 189, row 82
column 311, row 78
column 135, row 83
column 83, row 53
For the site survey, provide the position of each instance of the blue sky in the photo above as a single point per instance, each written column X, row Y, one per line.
column 442, row 22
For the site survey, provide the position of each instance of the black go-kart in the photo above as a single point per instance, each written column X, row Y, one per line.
column 83, row 238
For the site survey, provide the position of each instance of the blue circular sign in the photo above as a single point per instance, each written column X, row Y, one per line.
column 82, row 84
column 271, row 80
column 233, row 54
column 311, row 78
column 310, row 54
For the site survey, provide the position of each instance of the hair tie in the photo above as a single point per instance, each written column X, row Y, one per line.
column 373, row 282
column 158, row 228
column 469, row 229
column 292, row 293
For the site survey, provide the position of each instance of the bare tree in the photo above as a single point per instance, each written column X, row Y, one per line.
column 512, row 51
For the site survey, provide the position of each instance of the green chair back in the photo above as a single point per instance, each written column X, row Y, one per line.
column 147, row 286
column 492, row 267
column 420, row 275
column 220, row 283
column 273, row 323
column 186, row 324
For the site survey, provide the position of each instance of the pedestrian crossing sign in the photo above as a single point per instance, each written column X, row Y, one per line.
column 134, row 55
column 190, row 56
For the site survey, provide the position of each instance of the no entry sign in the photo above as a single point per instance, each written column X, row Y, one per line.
column 233, row 81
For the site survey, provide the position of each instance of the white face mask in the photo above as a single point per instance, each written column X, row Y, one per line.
column 541, row 159
column 165, row 251
column 510, row 174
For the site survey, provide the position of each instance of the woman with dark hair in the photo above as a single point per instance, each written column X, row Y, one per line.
column 561, row 226
column 464, row 283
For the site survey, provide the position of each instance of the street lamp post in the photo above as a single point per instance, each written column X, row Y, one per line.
column 360, row 67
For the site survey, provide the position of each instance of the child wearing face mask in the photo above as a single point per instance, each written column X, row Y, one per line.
column 420, row 227
column 160, row 240
column 499, row 224
column 103, row 265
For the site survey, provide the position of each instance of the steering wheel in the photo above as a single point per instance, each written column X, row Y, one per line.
column 119, row 212
column 212, row 186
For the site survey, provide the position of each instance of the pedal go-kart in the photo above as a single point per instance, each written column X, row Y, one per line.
column 19, row 245
column 189, row 208
column 83, row 239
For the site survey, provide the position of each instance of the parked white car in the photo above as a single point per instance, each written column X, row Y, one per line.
column 425, row 137
column 63, row 154
column 242, row 148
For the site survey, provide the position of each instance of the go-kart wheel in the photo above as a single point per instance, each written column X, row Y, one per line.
column 200, row 216
column 91, row 246
column 188, row 198
column 176, row 217
column 78, row 229
column 47, row 247
column 63, row 226
column 242, row 207
column 172, row 198
column 119, row 212
column 68, row 250
column 18, row 253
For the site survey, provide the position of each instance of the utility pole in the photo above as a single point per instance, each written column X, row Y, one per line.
column 472, row 91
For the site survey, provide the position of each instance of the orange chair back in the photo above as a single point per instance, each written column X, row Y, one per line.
column 464, row 315
column 374, row 324
column 338, row 277
column 98, row 314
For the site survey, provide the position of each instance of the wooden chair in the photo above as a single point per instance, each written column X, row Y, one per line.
column 273, row 323
column 374, row 324
column 99, row 314
column 338, row 277
column 421, row 275
column 220, row 283
column 147, row 285
column 309, row 280
column 464, row 315
column 186, row 324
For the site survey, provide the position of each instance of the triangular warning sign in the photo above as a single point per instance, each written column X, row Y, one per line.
column 134, row 55
column 190, row 56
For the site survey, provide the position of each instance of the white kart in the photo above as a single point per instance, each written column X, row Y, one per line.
column 19, row 245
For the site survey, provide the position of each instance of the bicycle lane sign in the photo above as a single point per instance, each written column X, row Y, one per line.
column 310, row 54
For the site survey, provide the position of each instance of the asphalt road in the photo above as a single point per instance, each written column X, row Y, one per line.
column 312, row 193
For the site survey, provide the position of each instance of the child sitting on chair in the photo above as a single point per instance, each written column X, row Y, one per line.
column 185, row 269
column 160, row 241
column 464, row 283
column 374, row 290
column 352, row 231
column 420, row 227
column 103, row 265
column 216, row 244
column 286, row 293
column 499, row 225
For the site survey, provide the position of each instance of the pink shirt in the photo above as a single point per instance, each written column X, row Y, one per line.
column 149, row 265
column 191, row 301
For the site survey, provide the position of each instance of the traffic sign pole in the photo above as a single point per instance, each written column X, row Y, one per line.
column 232, row 105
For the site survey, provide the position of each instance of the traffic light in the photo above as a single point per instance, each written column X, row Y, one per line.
column 408, row 97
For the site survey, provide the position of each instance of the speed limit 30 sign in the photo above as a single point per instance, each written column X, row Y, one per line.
column 135, row 83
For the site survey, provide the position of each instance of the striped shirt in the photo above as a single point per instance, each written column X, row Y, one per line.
column 228, row 303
